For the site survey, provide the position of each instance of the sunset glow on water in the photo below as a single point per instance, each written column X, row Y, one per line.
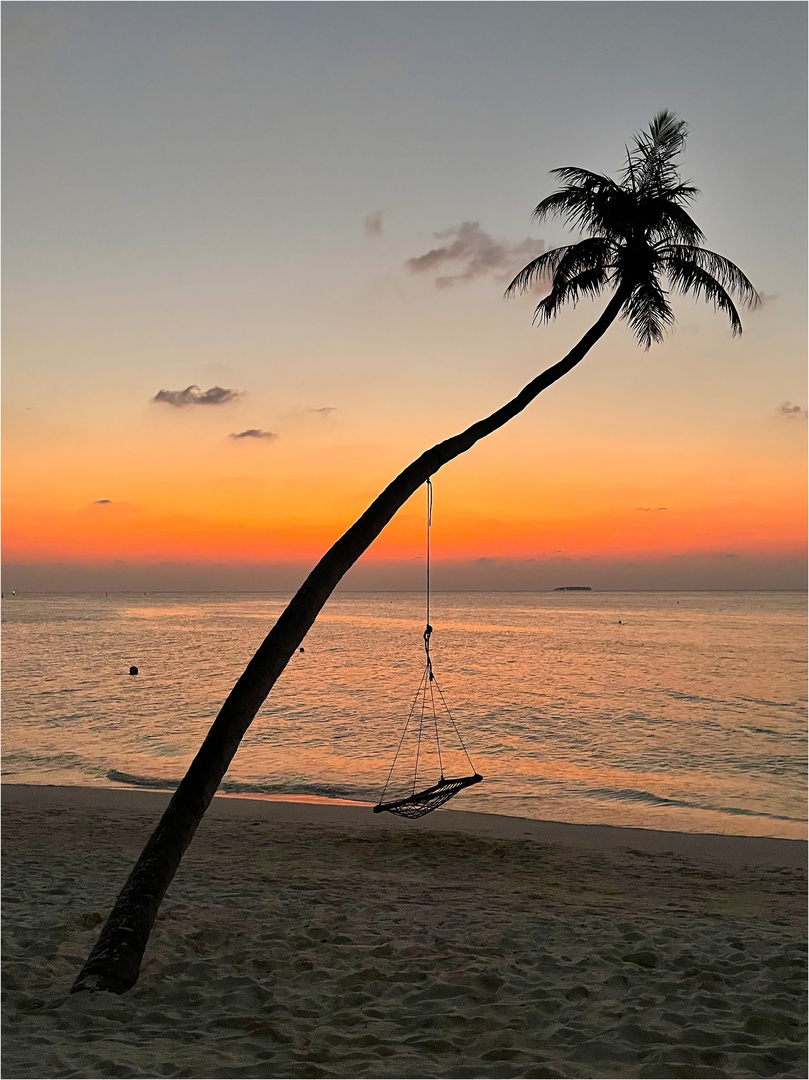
column 679, row 711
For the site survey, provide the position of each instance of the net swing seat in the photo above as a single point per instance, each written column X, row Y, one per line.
column 424, row 802
column 425, row 711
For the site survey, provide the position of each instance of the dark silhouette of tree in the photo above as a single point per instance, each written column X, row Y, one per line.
column 639, row 234
column 639, row 238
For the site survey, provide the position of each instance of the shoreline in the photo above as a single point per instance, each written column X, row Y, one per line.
column 729, row 849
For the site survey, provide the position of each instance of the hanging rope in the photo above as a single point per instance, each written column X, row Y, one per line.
column 418, row 804
column 429, row 667
column 429, row 629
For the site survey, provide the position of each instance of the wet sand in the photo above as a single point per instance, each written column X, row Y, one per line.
column 308, row 940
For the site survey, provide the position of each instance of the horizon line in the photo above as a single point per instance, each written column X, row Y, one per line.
column 401, row 592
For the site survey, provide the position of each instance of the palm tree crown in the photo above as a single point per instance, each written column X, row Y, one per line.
column 639, row 234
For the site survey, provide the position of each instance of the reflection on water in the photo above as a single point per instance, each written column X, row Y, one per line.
column 671, row 710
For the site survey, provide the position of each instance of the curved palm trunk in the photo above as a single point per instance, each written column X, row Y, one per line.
column 114, row 963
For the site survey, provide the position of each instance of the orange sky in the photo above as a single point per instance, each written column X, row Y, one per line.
column 179, row 212
column 522, row 495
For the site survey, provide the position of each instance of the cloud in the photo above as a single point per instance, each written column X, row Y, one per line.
column 791, row 412
column 769, row 298
column 254, row 433
column 301, row 411
column 471, row 253
column 105, row 507
column 373, row 224
column 192, row 395
column 651, row 509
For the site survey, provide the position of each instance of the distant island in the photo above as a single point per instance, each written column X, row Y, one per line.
column 572, row 588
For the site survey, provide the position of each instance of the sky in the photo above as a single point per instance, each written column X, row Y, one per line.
column 222, row 338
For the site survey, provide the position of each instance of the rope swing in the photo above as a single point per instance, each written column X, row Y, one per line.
column 426, row 710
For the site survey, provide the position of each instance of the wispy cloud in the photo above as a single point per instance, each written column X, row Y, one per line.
column 254, row 433
column 470, row 253
column 373, row 224
column 192, row 395
column 769, row 298
column 106, row 506
column 300, row 412
column 651, row 509
column 791, row 412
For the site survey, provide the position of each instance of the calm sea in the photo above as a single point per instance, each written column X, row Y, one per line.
column 679, row 711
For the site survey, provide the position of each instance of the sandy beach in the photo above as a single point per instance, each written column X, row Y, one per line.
column 310, row 940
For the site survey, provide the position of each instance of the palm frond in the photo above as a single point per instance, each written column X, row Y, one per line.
column 543, row 265
column 607, row 211
column 562, row 264
column 667, row 134
column 726, row 273
column 653, row 157
column 571, row 175
column 664, row 220
column 688, row 277
column 575, row 206
column 682, row 193
column 588, row 283
column 592, row 253
column 629, row 172
column 648, row 311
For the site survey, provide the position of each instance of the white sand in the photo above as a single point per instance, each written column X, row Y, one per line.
column 302, row 940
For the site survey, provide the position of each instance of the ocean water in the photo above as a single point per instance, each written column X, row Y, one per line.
column 677, row 711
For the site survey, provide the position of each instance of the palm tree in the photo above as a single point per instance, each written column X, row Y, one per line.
column 639, row 233
column 639, row 236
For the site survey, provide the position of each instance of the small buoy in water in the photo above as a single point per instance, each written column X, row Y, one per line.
column 620, row 623
column 301, row 649
column 133, row 670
